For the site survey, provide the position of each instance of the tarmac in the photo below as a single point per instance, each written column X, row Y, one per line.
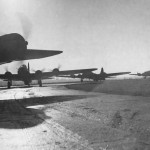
column 54, row 117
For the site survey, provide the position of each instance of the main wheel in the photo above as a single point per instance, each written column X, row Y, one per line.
column 8, row 84
column 40, row 83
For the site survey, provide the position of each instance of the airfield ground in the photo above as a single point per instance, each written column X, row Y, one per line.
column 56, row 117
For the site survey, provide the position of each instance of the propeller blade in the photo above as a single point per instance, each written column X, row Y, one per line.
column 59, row 66
column 26, row 25
column 43, row 69
column 33, row 70
column 6, row 68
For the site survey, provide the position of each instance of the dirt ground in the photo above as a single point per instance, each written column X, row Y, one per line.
column 56, row 118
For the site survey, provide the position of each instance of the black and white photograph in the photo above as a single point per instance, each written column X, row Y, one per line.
column 74, row 75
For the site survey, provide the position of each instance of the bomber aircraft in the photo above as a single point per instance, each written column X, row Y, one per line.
column 13, row 47
column 27, row 77
column 96, row 77
column 144, row 74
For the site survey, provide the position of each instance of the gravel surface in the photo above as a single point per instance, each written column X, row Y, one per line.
column 56, row 118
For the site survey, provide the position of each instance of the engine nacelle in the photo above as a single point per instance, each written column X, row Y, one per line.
column 72, row 76
column 79, row 75
column 55, row 71
column 38, row 74
column 8, row 75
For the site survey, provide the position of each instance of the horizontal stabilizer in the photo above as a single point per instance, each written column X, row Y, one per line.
column 134, row 74
column 118, row 73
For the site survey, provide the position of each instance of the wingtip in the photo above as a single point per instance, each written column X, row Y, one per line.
column 127, row 72
column 54, row 52
column 36, row 53
column 59, row 52
column 93, row 69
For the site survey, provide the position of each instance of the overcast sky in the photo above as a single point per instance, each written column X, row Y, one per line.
column 114, row 34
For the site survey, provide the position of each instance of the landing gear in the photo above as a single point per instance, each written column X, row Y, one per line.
column 9, row 84
column 40, row 83
column 81, row 80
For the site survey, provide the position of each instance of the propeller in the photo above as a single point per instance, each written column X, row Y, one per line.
column 59, row 66
column 8, row 74
column 26, row 25
column 42, row 70
column 6, row 68
column 38, row 73
column 56, row 70
column 79, row 75
column 73, row 76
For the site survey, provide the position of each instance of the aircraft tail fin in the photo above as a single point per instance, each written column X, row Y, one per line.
column 102, row 70
column 28, row 67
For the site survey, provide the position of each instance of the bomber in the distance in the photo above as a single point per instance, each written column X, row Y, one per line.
column 96, row 77
column 24, row 75
column 144, row 74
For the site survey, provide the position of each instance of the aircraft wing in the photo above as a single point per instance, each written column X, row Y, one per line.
column 116, row 74
column 47, row 75
column 36, row 54
column 14, row 77
column 134, row 74
column 72, row 72
column 68, row 76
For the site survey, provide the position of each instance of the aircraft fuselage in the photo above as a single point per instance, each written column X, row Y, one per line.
column 147, row 73
column 12, row 47
column 24, row 74
column 93, row 76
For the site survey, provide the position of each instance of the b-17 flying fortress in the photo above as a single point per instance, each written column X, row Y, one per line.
column 13, row 47
column 27, row 77
column 91, row 96
column 96, row 77
column 144, row 74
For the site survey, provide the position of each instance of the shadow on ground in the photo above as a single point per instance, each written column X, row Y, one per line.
column 16, row 87
column 14, row 114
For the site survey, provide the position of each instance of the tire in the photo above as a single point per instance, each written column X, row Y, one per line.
column 40, row 83
column 9, row 84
